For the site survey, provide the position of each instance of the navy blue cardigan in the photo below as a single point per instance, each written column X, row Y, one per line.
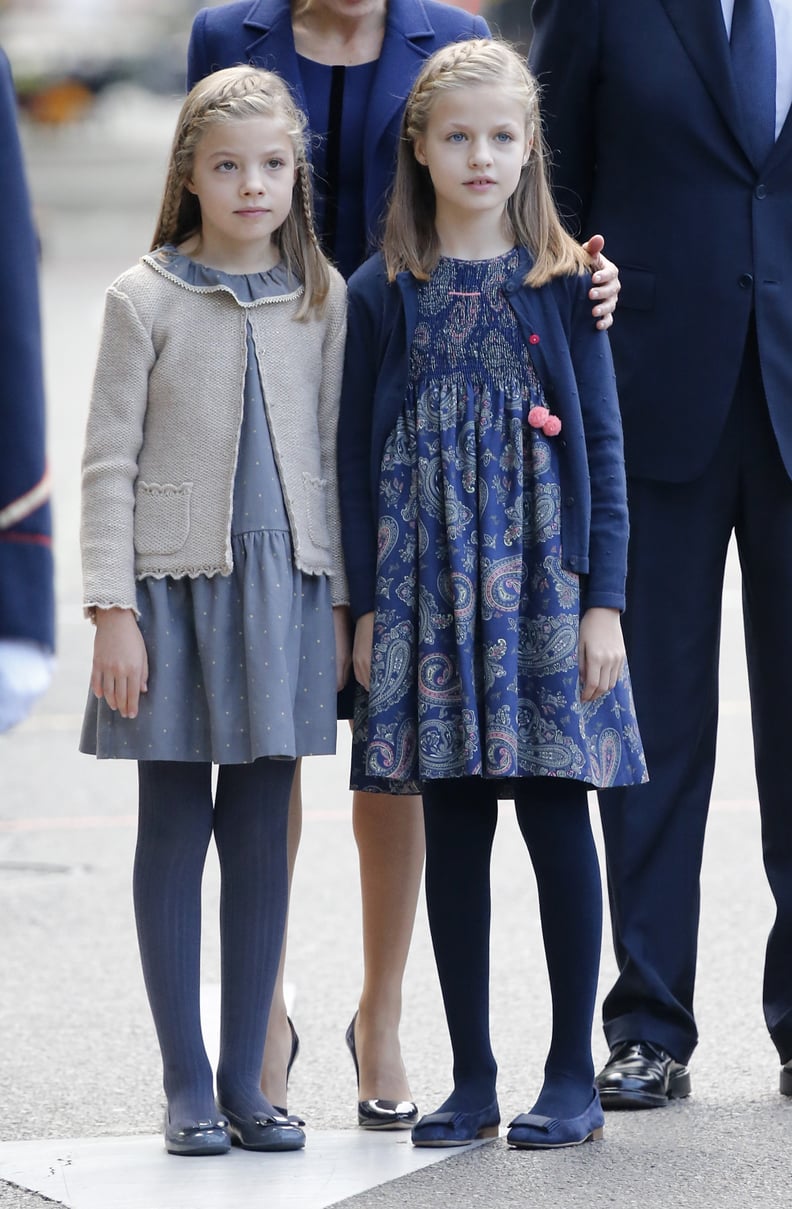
column 574, row 365
column 27, row 609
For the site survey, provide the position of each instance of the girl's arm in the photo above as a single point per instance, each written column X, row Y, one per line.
column 114, row 436
column 120, row 664
column 327, row 419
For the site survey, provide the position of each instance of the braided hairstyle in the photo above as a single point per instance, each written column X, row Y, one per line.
column 234, row 94
column 410, row 241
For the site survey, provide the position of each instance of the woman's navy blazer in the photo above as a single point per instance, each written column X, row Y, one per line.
column 573, row 362
column 260, row 32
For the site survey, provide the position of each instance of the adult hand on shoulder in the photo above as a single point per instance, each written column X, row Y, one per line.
column 343, row 647
column 605, row 283
column 361, row 651
column 600, row 652
column 120, row 663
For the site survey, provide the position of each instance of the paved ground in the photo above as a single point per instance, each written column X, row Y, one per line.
column 78, row 1057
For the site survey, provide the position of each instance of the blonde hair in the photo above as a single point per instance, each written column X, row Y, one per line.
column 234, row 94
column 410, row 241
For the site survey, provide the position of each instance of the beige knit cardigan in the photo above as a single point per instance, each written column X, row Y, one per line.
column 163, row 430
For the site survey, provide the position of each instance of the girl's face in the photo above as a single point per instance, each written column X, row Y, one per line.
column 475, row 147
column 243, row 176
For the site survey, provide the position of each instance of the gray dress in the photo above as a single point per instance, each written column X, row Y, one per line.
column 240, row 666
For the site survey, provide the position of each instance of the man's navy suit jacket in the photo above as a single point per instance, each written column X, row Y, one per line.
column 643, row 122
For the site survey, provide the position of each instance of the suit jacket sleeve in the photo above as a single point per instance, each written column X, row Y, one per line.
column 26, row 590
column 564, row 57
column 198, row 54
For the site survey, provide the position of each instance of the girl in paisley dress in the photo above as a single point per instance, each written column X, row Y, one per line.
column 485, row 532
column 213, row 570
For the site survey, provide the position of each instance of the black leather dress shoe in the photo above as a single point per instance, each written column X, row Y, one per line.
column 785, row 1084
column 380, row 1114
column 639, row 1074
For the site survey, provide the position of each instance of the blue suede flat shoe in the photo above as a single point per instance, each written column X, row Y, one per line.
column 531, row 1131
column 456, row 1128
column 263, row 1132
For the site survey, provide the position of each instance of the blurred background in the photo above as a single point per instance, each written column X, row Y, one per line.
column 72, row 56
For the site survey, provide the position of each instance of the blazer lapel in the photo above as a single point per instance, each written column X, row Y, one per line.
column 270, row 44
column 700, row 28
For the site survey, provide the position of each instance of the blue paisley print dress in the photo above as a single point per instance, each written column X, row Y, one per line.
column 475, row 658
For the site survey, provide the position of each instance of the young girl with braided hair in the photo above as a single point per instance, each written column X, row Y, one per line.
column 213, row 571
column 485, row 530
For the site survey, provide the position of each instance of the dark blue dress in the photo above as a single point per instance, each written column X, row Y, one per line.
column 475, row 659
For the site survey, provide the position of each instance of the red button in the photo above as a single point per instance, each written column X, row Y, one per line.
column 533, row 339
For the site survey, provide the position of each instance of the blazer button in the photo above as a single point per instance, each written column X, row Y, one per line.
column 760, row 192
column 745, row 282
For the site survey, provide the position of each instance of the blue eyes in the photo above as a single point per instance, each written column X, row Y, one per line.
column 502, row 136
column 231, row 166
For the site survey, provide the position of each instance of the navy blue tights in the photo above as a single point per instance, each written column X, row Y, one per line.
column 175, row 824
column 460, row 817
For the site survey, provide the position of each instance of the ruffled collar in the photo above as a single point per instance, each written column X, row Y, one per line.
column 247, row 288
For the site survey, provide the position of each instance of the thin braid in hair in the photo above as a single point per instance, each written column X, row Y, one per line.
column 306, row 193
column 238, row 93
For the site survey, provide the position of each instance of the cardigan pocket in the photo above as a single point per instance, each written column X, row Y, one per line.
column 316, row 507
column 162, row 517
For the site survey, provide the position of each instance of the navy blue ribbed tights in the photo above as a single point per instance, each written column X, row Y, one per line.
column 460, row 817
column 176, row 820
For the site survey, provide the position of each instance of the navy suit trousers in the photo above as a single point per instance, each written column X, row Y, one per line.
column 679, row 537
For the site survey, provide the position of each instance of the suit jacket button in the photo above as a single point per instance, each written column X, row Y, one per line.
column 745, row 282
column 760, row 192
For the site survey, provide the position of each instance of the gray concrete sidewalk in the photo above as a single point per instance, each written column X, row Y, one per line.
column 78, row 1057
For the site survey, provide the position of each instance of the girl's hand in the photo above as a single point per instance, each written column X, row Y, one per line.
column 120, row 663
column 605, row 283
column 361, row 651
column 600, row 652
column 343, row 647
